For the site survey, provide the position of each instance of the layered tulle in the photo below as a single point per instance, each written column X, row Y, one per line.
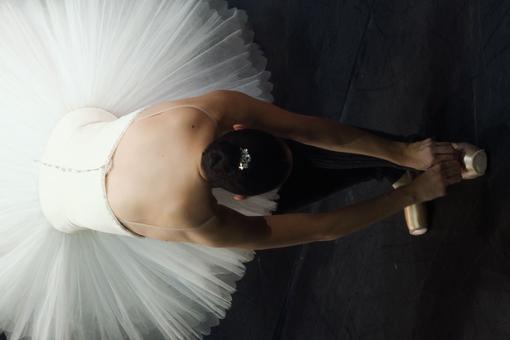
column 120, row 55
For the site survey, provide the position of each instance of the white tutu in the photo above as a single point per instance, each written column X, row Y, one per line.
column 120, row 55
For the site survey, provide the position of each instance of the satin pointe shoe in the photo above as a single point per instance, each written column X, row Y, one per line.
column 474, row 160
column 415, row 214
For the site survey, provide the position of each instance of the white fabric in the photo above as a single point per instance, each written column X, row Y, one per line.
column 72, row 180
column 58, row 56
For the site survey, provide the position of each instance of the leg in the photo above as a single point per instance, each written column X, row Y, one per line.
column 308, row 184
column 318, row 173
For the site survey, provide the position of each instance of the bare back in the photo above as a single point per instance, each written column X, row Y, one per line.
column 155, row 176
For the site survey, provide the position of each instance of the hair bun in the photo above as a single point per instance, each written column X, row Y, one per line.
column 268, row 162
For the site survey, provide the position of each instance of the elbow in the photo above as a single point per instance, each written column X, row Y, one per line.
column 324, row 236
column 328, row 234
column 226, row 244
column 327, row 238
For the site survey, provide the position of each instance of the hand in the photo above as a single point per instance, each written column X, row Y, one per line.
column 432, row 183
column 422, row 155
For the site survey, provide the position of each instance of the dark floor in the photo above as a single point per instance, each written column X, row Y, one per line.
column 441, row 68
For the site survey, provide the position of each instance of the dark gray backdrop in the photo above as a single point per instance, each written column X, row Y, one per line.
column 441, row 68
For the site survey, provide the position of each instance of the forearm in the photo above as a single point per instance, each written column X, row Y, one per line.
column 315, row 131
column 341, row 137
column 233, row 229
column 346, row 220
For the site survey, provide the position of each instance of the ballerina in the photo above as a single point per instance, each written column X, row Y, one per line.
column 75, row 76
column 230, row 140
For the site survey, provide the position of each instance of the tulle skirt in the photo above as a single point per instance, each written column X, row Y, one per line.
column 120, row 55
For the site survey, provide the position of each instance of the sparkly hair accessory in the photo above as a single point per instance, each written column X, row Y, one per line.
column 245, row 159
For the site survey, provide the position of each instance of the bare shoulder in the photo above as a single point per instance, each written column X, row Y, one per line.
column 214, row 102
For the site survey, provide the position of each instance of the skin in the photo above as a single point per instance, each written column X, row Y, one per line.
column 172, row 143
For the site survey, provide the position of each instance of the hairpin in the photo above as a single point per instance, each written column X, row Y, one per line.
column 245, row 159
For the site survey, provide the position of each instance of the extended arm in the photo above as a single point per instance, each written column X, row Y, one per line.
column 316, row 131
column 232, row 229
column 234, row 107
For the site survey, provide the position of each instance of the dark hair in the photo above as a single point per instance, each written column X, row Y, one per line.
column 267, row 168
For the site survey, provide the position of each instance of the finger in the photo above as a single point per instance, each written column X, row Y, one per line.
column 443, row 143
column 456, row 147
column 454, row 171
column 453, row 179
column 436, row 167
column 445, row 157
column 439, row 149
column 451, row 171
column 451, row 163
